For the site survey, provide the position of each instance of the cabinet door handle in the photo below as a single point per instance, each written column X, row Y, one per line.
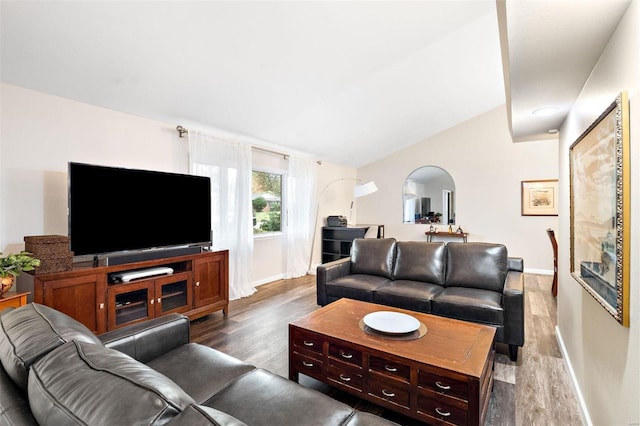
column 151, row 301
column 345, row 378
column 307, row 343
column 443, row 413
column 198, row 284
column 102, row 306
column 443, row 387
column 159, row 300
column 388, row 394
column 390, row 368
column 345, row 355
column 307, row 364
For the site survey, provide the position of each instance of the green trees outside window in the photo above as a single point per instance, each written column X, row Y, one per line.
column 266, row 189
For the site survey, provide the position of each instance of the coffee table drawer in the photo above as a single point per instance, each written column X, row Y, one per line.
column 438, row 408
column 307, row 365
column 307, row 341
column 443, row 385
column 345, row 377
column 345, row 354
column 390, row 392
column 389, row 368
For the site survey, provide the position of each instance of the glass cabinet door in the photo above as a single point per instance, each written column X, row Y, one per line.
column 130, row 303
column 173, row 293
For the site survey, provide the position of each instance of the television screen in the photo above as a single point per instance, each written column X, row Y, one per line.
column 117, row 209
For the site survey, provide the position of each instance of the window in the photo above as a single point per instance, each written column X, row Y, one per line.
column 266, row 197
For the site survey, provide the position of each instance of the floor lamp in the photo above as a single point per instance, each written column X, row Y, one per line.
column 358, row 191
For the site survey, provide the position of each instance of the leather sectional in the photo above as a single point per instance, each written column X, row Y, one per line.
column 56, row 372
column 472, row 281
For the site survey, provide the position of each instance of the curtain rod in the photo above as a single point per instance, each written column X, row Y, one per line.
column 268, row 151
column 182, row 131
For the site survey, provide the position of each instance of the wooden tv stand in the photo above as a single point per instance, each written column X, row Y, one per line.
column 198, row 286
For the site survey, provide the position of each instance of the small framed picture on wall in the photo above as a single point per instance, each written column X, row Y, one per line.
column 540, row 197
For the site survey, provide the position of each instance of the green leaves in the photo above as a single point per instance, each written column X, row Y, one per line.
column 14, row 264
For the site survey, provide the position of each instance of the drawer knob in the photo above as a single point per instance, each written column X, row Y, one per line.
column 390, row 368
column 443, row 387
column 345, row 378
column 307, row 364
column 388, row 394
column 345, row 355
column 307, row 343
column 443, row 413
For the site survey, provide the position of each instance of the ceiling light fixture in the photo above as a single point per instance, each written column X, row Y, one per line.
column 545, row 111
column 552, row 131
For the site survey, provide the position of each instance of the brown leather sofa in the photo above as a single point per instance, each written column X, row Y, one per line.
column 56, row 372
column 473, row 281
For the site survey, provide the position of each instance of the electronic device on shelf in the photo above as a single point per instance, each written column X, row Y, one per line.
column 337, row 221
column 125, row 277
column 115, row 211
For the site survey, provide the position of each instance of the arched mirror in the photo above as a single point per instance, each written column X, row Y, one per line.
column 428, row 196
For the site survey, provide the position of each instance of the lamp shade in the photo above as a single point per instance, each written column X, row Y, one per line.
column 364, row 189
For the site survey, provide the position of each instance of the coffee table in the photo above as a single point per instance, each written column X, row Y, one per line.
column 443, row 377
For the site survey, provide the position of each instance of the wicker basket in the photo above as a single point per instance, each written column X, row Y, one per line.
column 53, row 252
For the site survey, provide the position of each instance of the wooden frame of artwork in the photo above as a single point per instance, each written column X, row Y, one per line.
column 600, row 209
column 539, row 197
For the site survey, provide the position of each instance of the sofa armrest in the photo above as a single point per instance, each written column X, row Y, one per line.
column 328, row 272
column 513, row 303
column 515, row 264
column 149, row 339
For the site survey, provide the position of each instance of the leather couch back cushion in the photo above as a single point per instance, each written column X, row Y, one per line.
column 32, row 331
column 373, row 256
column 420, row 261
column 83, row 383
column 476, row 265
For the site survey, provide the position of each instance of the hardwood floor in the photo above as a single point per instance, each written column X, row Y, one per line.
column 536, row 390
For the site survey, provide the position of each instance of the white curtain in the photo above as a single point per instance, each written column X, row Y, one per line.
column 301, row 201
column 228, row 164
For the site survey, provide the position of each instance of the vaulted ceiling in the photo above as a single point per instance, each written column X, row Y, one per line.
column 347, row 82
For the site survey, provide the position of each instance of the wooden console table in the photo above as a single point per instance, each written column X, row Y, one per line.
column 461, row 235
column 13, row 299
column 444, row 377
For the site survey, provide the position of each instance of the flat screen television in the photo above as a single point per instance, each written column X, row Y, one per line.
column 114, row 209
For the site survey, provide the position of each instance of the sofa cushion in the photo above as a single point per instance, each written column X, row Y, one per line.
column 476, row 265
column 199, row 370
column 420, row 261
column 32, row 331
column 90, row 384
column 373, row 256
column 264, row 398
column 199, row 415
column 469, row 304
column 14, row 406
column 357, row 286
column 413, row 295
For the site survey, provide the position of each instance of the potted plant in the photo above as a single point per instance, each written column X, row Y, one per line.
column 12, row 265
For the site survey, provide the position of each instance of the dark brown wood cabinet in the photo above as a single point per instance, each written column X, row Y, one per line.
column 198, row 286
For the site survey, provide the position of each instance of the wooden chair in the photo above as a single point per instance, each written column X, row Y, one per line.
column 554, row 244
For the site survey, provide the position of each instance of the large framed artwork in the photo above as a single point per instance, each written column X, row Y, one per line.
column 600, row 209
column 539, row 197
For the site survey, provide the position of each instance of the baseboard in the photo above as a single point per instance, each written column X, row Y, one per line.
column 538, row 271
column 583, row 406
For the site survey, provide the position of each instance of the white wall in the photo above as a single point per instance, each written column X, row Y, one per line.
column 487, row 168
column 41, row 133
column 334, row 196
column 603, row 355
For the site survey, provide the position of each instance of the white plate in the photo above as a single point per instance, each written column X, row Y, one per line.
column 391, row 322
